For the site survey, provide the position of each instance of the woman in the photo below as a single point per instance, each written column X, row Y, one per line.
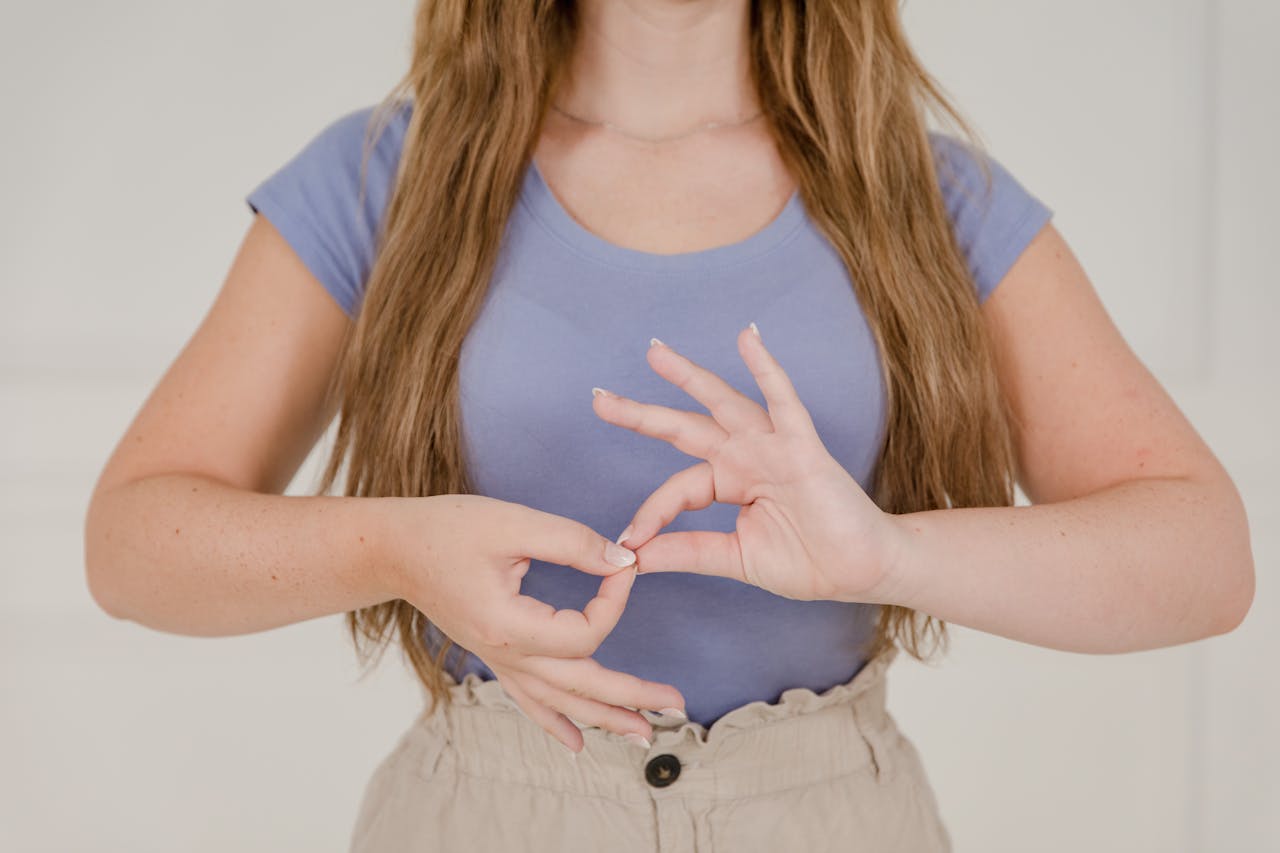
column 884, row 331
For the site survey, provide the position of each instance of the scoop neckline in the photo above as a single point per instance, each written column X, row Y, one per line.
column 548, row 210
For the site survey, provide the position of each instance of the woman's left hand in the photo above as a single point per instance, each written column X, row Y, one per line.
column 806, row 529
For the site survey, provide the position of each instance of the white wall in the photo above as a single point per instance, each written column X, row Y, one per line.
column 133, row 130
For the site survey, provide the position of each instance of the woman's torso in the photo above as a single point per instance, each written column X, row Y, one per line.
column 567, row 310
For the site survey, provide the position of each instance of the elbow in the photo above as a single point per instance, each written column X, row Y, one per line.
column 100, row 590
column 1238, row 584
column 1235, row 605
column 97, row 563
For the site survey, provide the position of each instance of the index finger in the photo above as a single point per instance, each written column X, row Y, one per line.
column 555, row 539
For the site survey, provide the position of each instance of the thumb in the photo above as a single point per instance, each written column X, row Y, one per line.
column 556, row 539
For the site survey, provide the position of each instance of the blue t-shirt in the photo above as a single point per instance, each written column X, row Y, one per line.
column 567, row 310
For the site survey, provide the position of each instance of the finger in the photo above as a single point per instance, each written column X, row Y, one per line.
column 556, row 539
column 588, row 711
column 535, row 627
column 699, row 552
column 553, row 722
column 588, row 677
column 786, row 411
column 689, row 432
column 732, row 409
column 690, row 489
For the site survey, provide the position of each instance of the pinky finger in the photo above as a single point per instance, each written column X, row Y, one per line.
column 556, row 724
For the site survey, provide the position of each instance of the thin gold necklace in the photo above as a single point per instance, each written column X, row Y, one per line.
column 608, row 125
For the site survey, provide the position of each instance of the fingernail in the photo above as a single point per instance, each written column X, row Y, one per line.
column 622, row 537
column 573, row 756
column 674, row 712
column 597, row 392
column 754, row 329
column 654, row 342
column 638, row 740
column 618, row 556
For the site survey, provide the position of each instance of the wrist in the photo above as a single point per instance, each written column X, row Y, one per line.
column 381, row 539
column 903, row 541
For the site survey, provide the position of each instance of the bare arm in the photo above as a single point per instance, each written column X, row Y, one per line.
column 1137, row 538
column 186, row 530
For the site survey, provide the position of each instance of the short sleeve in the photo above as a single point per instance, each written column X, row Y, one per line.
column 314, row 201
column 993, row 226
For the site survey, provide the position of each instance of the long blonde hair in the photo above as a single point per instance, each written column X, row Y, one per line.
column 845, row 98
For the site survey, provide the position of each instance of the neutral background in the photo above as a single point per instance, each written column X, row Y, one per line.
column 132, row 131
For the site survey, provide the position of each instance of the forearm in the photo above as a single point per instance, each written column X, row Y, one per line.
column 1140, row 565
column 191, row 555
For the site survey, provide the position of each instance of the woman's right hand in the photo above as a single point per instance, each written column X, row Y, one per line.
column 461, row 563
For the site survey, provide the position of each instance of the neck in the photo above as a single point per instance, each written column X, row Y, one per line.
column 662, row 66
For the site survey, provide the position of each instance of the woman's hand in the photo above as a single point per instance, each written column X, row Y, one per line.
column 806, row 530
column 461, row 563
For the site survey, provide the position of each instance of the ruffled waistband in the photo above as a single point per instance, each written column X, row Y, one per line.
column 802, row 738
column 866, row 688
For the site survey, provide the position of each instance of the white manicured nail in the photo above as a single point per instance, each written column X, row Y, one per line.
column 617, row 555
column 597, row 392
column 624, row 534
column 674, row 712
column 638, row 740
column 654, row 342
column 755, row 330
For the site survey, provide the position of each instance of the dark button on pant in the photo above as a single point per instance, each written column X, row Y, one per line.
column 662, row 770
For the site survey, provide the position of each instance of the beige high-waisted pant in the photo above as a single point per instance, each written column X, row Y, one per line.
column 810, row 772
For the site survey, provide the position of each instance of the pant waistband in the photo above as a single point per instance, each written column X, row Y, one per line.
column 758, row 748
